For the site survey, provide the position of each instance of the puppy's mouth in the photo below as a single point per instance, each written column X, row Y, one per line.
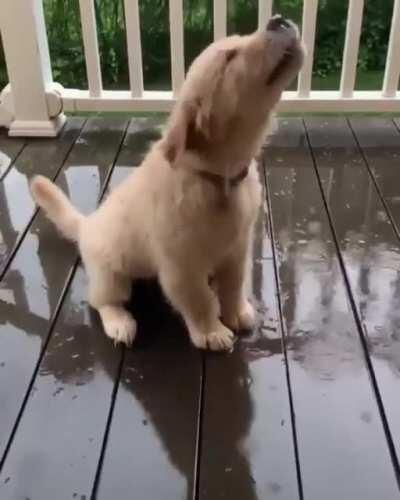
column 281, row 66
column 283, row 34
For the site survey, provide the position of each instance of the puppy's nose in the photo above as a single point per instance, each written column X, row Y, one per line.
column 276, row 23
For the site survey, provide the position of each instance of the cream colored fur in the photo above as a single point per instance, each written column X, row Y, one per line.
column 168, row 222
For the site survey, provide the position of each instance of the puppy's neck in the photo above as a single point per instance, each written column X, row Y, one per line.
column 225, row 184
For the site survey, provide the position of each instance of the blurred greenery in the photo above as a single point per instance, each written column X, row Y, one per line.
column 65, row 39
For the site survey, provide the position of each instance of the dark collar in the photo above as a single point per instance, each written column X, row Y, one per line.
column 220, row 182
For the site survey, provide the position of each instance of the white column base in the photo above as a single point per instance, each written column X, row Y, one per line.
column 50, row 128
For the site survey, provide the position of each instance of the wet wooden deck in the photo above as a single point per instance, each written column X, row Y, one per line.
column 308, row 406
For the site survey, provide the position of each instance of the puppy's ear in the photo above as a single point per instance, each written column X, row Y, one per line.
column 212, row 113
column 200, row 118
column 174, row 141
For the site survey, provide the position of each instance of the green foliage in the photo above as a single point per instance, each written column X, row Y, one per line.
column 65, row 38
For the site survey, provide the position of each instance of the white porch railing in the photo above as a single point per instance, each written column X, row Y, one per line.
column 32, row 104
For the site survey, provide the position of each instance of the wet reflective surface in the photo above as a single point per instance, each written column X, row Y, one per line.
column 40, row 156
column 10, row 147
column 247, row 440
column 32, row 286
column 368, row 242
column 153, row 436
column 117, row 423
column 339, row 431
column 380, row 142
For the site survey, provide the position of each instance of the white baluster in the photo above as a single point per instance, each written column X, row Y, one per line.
column 351, row 46
column 177, row 47
column 220, row 16
column 392, row 70
column 310, row 9
column 91, row 47
column 132, row 23
column 264, row 13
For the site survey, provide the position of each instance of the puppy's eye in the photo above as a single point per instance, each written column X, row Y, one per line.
column 231, row 54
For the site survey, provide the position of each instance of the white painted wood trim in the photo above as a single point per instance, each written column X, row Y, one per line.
column 91, row 47
column 177, row 45
column 162, row 101
column 333, row 102
column 310, row 9
column 219, row 19
column 134, row 46
column 351, row 46
column 28, row 65
column 37, row 128
column 392, row 70
column 264, row 13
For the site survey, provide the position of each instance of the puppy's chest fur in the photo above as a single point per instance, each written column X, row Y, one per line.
column 209, row 223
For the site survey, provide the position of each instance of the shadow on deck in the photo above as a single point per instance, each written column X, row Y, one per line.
column 307, row 406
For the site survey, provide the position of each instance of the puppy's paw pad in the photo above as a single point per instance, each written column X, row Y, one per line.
column 121, row 328
column 221, row 339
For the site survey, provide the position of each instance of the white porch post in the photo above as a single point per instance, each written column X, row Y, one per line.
column 31, row 104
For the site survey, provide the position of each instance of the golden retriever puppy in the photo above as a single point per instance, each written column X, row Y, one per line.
column 186, row 215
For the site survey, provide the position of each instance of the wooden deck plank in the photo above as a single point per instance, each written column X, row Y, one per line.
column 247, row 436
column 41, row 156
column 379, row 140
column 29, row 294
column 157, row 403
column 152, row 442
column 10, row 148
column 35, row 283
column 370, row 246
column 341, row 440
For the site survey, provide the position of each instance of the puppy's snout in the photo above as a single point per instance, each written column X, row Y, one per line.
column 277, row 23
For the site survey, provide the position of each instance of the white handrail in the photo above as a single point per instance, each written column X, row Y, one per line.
column 220, row 16
column 264, row 13
column 310, row 8
column 134, row 47
column 91, row 47
column 392, row 70
column 351, row 46
column 177, row 48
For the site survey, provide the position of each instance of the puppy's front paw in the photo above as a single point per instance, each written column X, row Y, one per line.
column 243, row 319
column 121, row 327
column 221, row 339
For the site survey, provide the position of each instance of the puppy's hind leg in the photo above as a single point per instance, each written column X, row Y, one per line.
column 108, row 292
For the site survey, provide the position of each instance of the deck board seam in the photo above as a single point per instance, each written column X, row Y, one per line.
column 199, row 429
column 103, row 447
column 369, row 365
column 21, row 237
column 60, row 303
column 283, row 335
column 373, row 178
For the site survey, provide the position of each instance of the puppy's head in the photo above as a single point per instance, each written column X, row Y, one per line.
column 233, row 86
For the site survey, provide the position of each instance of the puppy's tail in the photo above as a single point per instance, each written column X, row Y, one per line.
column 57, row 207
